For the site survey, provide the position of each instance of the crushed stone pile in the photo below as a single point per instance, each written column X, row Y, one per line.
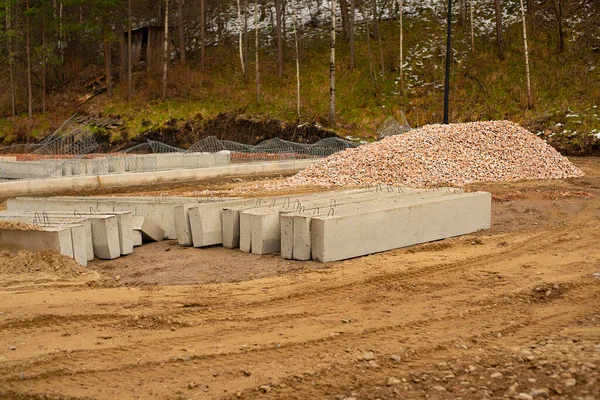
column 455, row 154
column 47, row 261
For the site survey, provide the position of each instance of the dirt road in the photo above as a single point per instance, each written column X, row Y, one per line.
column 513, row 312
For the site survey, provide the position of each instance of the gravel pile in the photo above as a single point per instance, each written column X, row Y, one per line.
column 455, row 154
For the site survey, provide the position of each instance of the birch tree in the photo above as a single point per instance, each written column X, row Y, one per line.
column 526, row 52
column 294, row 21
column 256, row 46
column 332, row 67
column 279, row 37
column 401, row 42
column 472, row 29
column 240, row 40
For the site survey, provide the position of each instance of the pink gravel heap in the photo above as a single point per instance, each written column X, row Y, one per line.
column 455, row 154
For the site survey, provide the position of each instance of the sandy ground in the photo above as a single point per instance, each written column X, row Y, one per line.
column 512, row 312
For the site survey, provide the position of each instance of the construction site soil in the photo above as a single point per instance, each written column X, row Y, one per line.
column 512, row 312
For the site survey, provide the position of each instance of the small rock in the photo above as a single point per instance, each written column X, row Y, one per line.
column 373, row 364
column 524, row 396
column 496, row 375
column 368, row 356
column 345, row 321
column 393, row 381
column 118, row 278
column 192, row 385
column 542, row 392
column 12, row 348
column 439, row 388
column 265, row 388
column 247, row 373
column 396, row 358
column 570, row 382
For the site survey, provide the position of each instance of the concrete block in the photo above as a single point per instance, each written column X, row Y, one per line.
column 55, row 220
column 231, row 219
column 59, row 239
column 137, row 238
column 295, row 227
column 149, row 230
column 265, row 224
column 398, row 225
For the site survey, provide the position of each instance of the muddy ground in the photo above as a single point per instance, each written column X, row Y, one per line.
column 513, row 312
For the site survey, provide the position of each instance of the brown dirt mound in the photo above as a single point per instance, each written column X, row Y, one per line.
column 18, row 226
column 455, row 154
column 43, row 261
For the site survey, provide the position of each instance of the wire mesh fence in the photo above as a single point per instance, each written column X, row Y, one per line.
column 391, row 127
column 69, row 151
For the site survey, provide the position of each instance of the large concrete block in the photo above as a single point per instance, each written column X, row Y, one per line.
column 52, row 219
column 295, row 227
column 149, row 231
column 398, row 225
column 59, row 239
column 265, row 227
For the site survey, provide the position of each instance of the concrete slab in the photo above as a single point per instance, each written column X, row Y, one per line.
column 389, row 227
column 265, row 228
column 150, row 232
column 59, row 239
column 295, row 227
column 55, row 220
column 137, row 238
column 231, row 215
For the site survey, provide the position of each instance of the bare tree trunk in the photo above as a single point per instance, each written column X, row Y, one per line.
column 279, row 38
column 378, row 35
column 400, row 9
column 371, row 72
column 202, row 34
column 526, row 51
column 463, row 12
column 559, row 19
column 107, row 62
column 43, row 62
column 240, row 40
column 28, row 55
column 472, row 29
column 499, row 35
column 295, row 16
column 352, row 11
column 332, row 68
column 129, row 55
column 246, row 40
column 11, row 60
column 256, row 46
column 345, row 19
column 166, row 52
column 120, row 32
column 180, row 29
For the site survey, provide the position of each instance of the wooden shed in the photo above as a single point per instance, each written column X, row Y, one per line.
column 147, row 47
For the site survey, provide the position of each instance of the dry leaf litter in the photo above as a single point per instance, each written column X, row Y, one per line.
column 455, row 154
column 44, row 261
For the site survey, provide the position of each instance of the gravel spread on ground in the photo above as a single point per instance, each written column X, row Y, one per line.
column 454, row 154
column 43, row 261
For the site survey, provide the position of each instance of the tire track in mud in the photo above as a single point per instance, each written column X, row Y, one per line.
column 480, row 328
